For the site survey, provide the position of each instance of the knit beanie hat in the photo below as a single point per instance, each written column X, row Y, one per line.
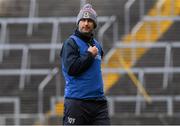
column 87, row 12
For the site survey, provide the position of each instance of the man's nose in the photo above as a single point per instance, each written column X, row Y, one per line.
column 86, row 22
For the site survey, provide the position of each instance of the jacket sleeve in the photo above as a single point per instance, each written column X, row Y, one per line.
column 74, row 63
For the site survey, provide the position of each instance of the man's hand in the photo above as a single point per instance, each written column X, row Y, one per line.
column 93, row 50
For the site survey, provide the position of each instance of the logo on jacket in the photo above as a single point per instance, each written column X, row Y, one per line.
column 71, row 120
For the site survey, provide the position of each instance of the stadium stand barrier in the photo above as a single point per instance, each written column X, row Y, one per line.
column 16, row 104
column 167, row 70
column 55, row 31
column 24, row 70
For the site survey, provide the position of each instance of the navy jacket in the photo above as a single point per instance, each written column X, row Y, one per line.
column 74, row 64
column 81, row 70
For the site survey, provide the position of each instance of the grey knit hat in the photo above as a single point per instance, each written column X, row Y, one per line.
column 87, row 12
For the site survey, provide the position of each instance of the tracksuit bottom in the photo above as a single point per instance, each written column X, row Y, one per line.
column 85, row 112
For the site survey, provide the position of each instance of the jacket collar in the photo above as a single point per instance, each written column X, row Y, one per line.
column 86, row 38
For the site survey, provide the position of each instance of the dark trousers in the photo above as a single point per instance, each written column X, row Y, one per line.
column 85, row 112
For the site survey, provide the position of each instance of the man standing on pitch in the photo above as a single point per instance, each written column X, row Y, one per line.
column 81, row 55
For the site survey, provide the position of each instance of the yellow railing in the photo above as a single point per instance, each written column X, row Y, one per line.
column 156, row 30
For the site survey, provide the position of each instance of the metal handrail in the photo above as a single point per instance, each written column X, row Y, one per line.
column 112, row 99
column 56, row 21
column 16, row 102
column 37, row 20
column 133, row 33
column 161, row 18
column 159, row 6
column 41, row 87
column 132, row 98
column 24, row 65
column 33, row 11
column 50, row 74
column 158, row 44
column 167, row 60
column 3, row 38
column 7, row 72
column 169, row 99
column 58, row 46
column 155, row 70
column 128, row 4
column 104, row 28
column 168, row 47
column 25, row 55
column 167, row 64
column 4, row 118
column 145, row 18
column 143, row 71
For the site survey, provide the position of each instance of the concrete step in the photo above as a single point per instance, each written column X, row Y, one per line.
column 171, row 34
column 40, row 35
column 14, row 8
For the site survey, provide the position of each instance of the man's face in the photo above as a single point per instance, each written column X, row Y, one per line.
column 86, row 25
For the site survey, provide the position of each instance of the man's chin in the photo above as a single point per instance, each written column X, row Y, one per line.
column 86, row 32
